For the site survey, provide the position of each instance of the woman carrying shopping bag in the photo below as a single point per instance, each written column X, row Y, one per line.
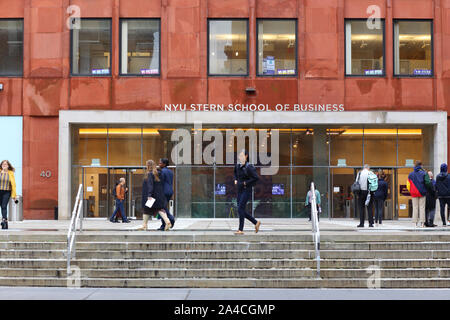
column 153, row 198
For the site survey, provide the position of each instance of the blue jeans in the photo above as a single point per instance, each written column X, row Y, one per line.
column 379, row 210
column 430, row 215
column 119, row 206
column 4, row 200
column 242, row 199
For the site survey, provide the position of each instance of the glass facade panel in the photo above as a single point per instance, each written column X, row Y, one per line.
column 302, row 147
column 228, row 47
column 272, row 195
column 90, row 146
column 208, row 191
column 346, row 146
column 201, row 187
column 156, row 144
column 364, row 49
column 277, row 47
column 413, row 48
column 342, row 198
column 140, row 46
column 301, row 179
column 380, row 147
column 125, row 146
column 91, row 48
column 410, row 147
column 225, row 193
column 11, row 47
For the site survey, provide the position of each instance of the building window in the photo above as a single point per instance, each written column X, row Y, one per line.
column 91, row 48
column 413, row 48
column 364, row 48
column 277, row 43
column 140, row 42
column 228, row 47
column 11, row 47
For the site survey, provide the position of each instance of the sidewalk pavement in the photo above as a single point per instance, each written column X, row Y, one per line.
column 46, row 293
column 184, row 225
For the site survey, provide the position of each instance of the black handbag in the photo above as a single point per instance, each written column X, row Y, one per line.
column 356, row 187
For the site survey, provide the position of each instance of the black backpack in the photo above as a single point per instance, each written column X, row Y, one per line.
column 114, row 190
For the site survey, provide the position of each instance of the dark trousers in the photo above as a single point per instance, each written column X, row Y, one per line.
column 4, row 199
column 362, row 212
column 310, row 212
column 119, row 206
column 242, row 199
column 169, row 215
column 442, row 203
column 378, row 210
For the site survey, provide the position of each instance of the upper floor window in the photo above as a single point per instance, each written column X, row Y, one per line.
column 11, row 47
column 91, row 48
column 413, row 48
column 140, row 42
column 364, row 48
column 277, row 44
column 228, row 47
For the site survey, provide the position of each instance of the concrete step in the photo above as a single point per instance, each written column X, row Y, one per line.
column 231, row 254
column 230, row 283
column 224, row 264
column 135, row 246
column 229, row 273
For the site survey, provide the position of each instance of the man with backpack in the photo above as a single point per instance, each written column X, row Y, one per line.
column 418, row 183
column 368, row 184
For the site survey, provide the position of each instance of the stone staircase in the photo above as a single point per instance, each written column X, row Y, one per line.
column 284, row 260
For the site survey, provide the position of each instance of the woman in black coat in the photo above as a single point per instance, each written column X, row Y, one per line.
column 153, row 187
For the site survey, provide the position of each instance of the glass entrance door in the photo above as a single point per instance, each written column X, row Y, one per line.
column 342, row 200
column 133, row 181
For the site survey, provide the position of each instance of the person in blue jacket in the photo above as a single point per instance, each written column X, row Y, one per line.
column 168, row 189
column 380, row 196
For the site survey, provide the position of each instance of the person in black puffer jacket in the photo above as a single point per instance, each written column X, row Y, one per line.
column 380, row 196
column 443, row 190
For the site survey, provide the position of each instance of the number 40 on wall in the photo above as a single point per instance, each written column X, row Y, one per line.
column 46, row 174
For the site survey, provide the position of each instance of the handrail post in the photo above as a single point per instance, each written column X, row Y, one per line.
column 315, row 227
column 77, row 217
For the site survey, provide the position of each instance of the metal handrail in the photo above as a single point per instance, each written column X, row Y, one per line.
column 75, row 223
column 315, row 227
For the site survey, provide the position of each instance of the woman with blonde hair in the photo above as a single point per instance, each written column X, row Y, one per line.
column 153, row 187
column 7, row 189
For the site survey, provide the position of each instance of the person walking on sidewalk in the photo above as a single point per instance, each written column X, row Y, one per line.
column 430, row 202
column 245, row 177
column 168, row 189
column 418, row 182
column 120, row 200
column 443, row 191
column 7, row 189
column 308, row 203
column 153, row 189
column 380, row 197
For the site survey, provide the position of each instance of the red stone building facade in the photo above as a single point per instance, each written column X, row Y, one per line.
column 47, row 86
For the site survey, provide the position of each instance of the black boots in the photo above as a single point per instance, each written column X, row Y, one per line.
column 4, row 224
